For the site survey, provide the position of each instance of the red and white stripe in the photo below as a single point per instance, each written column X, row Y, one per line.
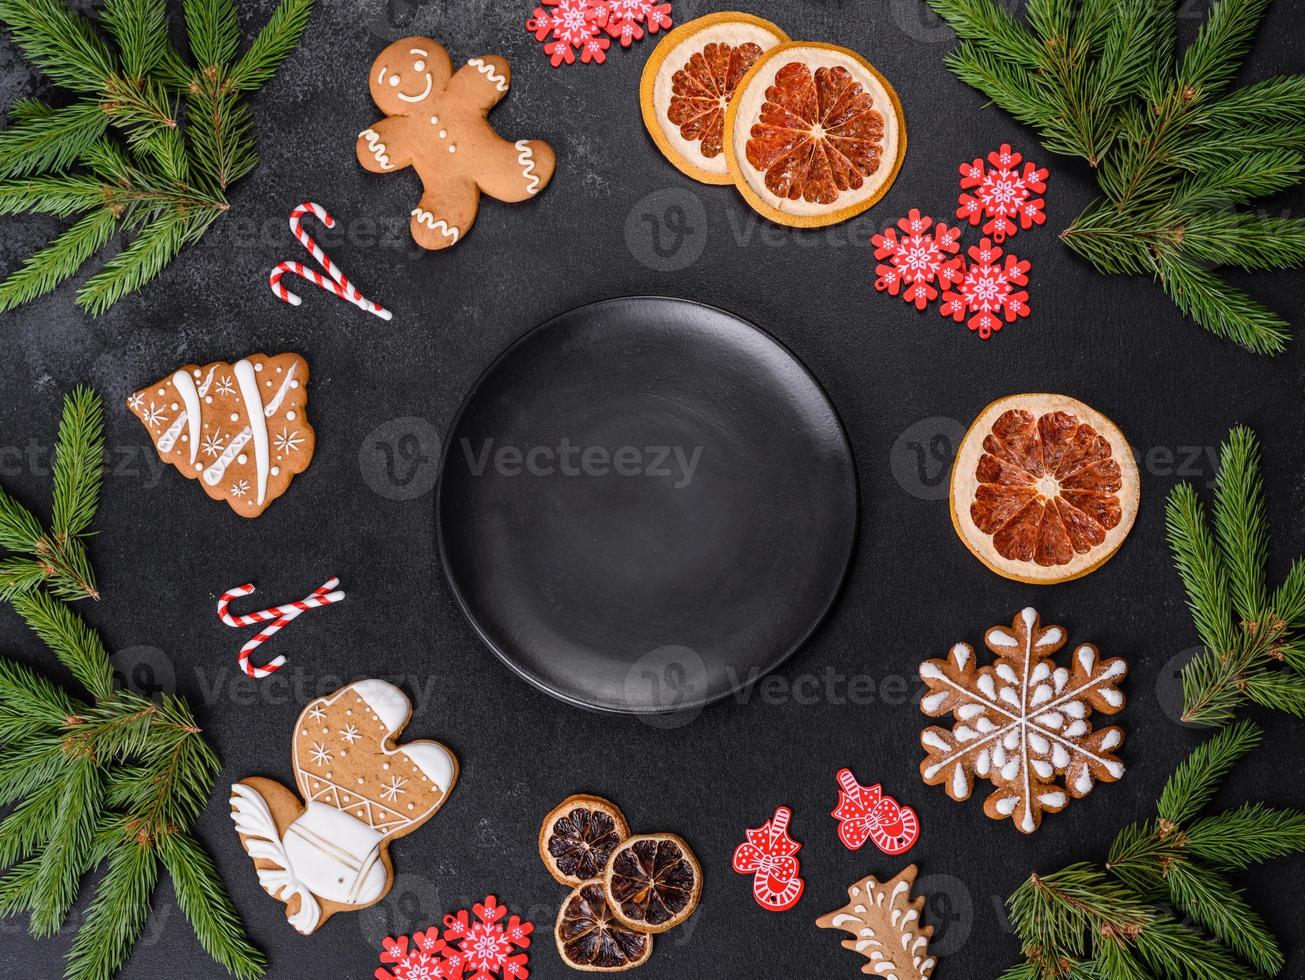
column 278, row 618
column 337, row 283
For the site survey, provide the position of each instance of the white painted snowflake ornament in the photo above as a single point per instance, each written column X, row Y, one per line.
column 1022, row 722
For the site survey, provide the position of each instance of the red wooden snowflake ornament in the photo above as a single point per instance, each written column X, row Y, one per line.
column 587, row 26
column 865, row 813
column 917, row 259
column 1002, row 192
column 487, row 945
column 988, row 290
column 422, row 959
column 769, row 856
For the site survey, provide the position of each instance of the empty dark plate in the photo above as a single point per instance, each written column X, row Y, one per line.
column 645, row 505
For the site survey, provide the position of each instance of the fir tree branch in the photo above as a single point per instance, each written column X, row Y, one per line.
column 61, row 42
column 52, row 141
column 78, row 647
column 1194, row 783
column 1251, row 834
column 1277, row 689
column 1219, row 908
column 116, row 916
column 67, row 852
column 274, row 43
column 19, row 576
column 1201, row 567
column 1274, row 100
column 1221, row 309
column 59, row 196
column 156, row 246
column 1241, row 524
column 140, row 28
column 213, row 28
column 40, row 700
column 214, row 918
column 42, row 272
column 1223, row 41
column 78, row 463
column 1248, row 241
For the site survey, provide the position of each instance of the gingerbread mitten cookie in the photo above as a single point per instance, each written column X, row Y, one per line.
column 239, row 429
column 437, row 123
column 330, row 854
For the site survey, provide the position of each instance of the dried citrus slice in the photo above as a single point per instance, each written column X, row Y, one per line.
column 653, row 882
column 815, row 135
column 579, row 835
column 1044, row 489
column 689, row 81
column 590, row 938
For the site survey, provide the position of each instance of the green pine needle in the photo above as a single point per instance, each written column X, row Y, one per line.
column 1194, row 783
column 78, row 463
column 1241, row 524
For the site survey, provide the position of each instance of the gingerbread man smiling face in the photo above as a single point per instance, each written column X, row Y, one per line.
column 437, row 123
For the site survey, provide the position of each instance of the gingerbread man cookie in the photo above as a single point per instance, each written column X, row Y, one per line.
column 330, row 853
column 437, row 123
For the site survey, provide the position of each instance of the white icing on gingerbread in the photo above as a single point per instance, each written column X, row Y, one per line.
column 254, row 822
column 274, row 405
column 247, row 378
column 213, row 475
column 526, row 158
column 377, row 148
column 169, row 438
column 185, row 386
column 498, row 78
column 436, row 224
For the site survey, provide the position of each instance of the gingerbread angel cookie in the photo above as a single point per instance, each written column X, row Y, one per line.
column 437, row 123
column 240, row 429
column 330, row 853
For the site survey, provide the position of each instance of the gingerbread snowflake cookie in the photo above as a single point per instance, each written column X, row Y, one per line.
column 1022, row 722
column 437, row 123
column 240, row 429
column 329, row 852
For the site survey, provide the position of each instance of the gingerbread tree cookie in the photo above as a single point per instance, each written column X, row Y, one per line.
column 437, row 123
column 885, row 925
column 1022, row 722
column 329, row 853
column 240, row 429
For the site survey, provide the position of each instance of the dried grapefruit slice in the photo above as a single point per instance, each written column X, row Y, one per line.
column 590, row 938
column 688, row 84
column 1044, row 489
column 653, row 882
column 578, row 836
column 815, row 135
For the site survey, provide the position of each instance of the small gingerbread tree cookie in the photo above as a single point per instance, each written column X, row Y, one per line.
column 884, row 921
column 437, row 123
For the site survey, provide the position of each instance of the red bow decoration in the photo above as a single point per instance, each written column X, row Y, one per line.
column 768, row 855
column 864, row 812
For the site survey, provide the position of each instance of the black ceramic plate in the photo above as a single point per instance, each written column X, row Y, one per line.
column 645, row 505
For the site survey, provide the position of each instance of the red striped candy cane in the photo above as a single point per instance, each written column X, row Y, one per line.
column 341, row 286
column 279, row 617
